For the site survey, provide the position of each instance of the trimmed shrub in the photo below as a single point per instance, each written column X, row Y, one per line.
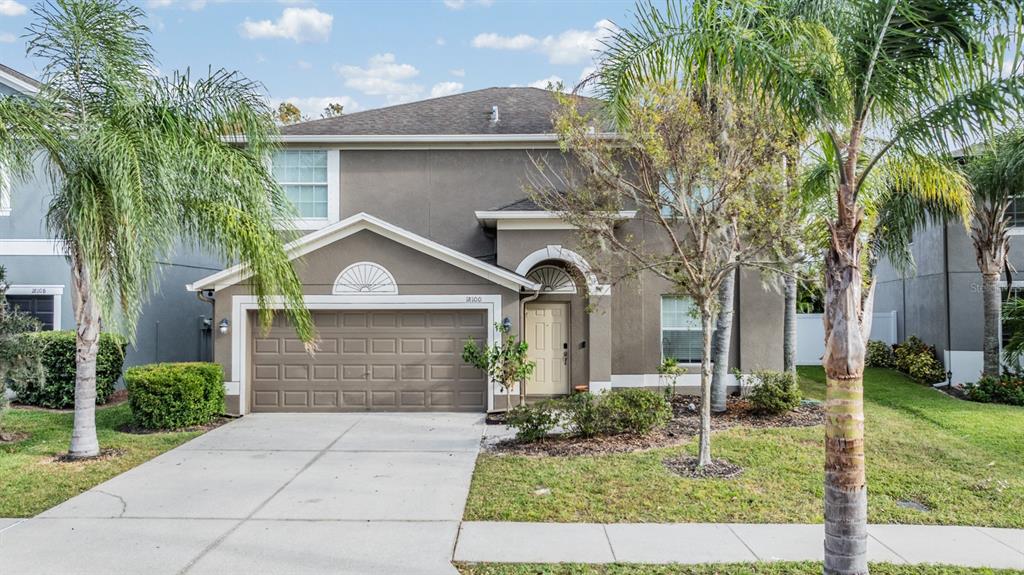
column 533, row 422
column 175, row 395
column 581, row 414
column 57, row 353
column 879, row 354
column 774, row 392
column 1006, row 389
column 917, row 359
column 637, row 411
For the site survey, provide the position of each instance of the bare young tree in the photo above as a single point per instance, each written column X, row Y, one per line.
column 704, row 173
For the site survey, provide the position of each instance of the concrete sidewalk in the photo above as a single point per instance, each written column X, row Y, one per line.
column 692, row 543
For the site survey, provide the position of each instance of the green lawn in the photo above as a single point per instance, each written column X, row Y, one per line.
column 780, row 568
column 963, row 460
column 31, row 481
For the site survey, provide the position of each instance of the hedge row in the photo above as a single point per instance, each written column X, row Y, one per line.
column 175, row 395
column 57, row 351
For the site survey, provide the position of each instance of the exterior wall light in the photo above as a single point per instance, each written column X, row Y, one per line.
column 223, row 325
column 507, row 323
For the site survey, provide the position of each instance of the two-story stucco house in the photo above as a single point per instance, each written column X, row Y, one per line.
column 418, row 235
column 421, row 236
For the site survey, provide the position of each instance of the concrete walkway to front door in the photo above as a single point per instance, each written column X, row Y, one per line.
column 270, row 493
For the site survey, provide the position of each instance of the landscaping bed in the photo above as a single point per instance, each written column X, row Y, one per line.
column 962, row 461
column 681, row 428
column 774, row 568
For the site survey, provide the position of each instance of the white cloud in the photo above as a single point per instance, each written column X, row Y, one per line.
column 543, row 83
column 460, row 72
column 499, row 42
column 440, row 41
column 303, row 65
column 568, row 47
column 8, row 38
column 12, row 8
column 298, row 24
column 313, row 106
column 445, row 89
column 382, row 76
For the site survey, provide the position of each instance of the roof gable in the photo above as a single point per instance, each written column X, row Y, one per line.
column 363, row 221
column 18, row 82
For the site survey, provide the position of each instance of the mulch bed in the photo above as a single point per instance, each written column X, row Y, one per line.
column 108, row 453
column 135, row 430
column 11, row 438
column 684, row 424
column 686, row 466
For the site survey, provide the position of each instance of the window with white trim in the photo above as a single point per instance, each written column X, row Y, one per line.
column 1015, row 211
column 303, row 175
column 681, row 333
column 5, row 192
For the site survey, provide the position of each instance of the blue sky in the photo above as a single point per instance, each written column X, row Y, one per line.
column 365, row 54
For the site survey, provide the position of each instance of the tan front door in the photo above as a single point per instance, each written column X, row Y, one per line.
column 547, row 333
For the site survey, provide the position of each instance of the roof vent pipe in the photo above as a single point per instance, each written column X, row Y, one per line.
column 495, row 117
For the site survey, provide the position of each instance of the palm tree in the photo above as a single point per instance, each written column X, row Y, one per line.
column 139, row 164
column 883, row 80
column 997, row 174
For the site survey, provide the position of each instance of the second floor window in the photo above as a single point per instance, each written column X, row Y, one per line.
column 302, row 174
column 681, row 334
column 1015, row 211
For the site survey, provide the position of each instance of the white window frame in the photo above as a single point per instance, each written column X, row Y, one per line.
column 57, row 291
column 333, row 190
column 5, row 192
column 662, row 328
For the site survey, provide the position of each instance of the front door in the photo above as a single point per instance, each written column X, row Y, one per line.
column 547, row 333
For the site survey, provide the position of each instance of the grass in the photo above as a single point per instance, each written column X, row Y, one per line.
column 779, row 568
column 31, row 481
column 963, row 460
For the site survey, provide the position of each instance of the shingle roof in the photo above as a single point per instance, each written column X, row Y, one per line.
column 27, row 79
column 520, row 111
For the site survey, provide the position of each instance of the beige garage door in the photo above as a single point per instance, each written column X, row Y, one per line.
column 408, row 360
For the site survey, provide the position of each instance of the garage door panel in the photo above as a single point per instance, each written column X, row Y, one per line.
column 371, row 360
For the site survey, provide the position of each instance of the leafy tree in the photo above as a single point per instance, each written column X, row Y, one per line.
column 333, row 110
column 139, row 164
column 703, row 171
column 880, row 81
column 19, row 356
column 997, row 174
column 288, row 113
column 504, row 362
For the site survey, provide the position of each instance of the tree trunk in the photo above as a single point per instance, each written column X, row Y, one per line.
column 704, row 454
column 993, row 301
column 789, row 327
column 87, row 317
column 845, row 480
column 720, row 346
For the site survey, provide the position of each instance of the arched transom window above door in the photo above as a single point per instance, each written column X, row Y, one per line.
column 365, row 278
column 553, row 279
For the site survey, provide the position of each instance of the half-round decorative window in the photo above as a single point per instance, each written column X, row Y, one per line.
column 552, row 279
column 365, row 278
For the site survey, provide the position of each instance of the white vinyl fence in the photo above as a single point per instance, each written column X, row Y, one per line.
column 810, row 334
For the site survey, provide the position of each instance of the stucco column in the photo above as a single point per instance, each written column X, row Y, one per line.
column 599, row 342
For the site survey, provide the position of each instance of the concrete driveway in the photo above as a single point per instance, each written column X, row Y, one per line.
column 270, row 493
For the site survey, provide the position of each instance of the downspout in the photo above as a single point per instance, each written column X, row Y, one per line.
column 949, row 314
column 207, row 324
column 522, row 331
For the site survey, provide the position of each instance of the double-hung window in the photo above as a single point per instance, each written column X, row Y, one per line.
column 681, row 333
column 1015, row 211
column 303, row 175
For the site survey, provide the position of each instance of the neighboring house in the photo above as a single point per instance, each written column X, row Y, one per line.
column 171, row 327
column 420, row 236
column 941, row 300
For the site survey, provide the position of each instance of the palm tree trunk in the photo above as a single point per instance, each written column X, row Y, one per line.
column 704, row 453
column 992, row 300
column 846, row 501
column 789, row 327
column 87, row 317
column 723, row 337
